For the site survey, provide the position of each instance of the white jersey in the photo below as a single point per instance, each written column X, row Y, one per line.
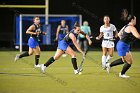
column 108, row 31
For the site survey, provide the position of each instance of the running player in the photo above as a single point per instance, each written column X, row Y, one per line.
column 106, row 31
column 35, row 31
column 127, row 35
column 62, row 30
column 63, row 47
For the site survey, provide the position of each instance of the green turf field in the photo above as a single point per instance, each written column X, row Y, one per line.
column 22, row 77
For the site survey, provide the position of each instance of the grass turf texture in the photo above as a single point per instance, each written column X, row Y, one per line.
column 22, row 77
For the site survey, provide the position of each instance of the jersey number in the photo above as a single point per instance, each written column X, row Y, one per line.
column 107, row 34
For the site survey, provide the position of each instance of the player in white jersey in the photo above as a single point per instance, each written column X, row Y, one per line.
column 106, row 31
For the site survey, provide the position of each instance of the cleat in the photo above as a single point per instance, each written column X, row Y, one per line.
column 108, row 67
column 17, row 57
column 123, row 76
column 76, row 72
column 36, row 66
column 42, row 67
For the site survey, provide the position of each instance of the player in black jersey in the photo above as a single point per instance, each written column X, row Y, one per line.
column 64, row 47
column 35, row 31
column 127, row 35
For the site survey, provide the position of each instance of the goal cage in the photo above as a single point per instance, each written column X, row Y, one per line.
column 23, row 21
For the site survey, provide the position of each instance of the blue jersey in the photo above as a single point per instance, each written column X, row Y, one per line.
column 63, row 30
column 63, row 44
column 37, row 29
column 62, row 33
column 33, row 40
column 68, row 39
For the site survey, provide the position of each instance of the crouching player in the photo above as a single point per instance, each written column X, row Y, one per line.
column 63, row 47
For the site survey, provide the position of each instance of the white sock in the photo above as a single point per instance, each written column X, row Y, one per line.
column 108, row 58
column 103, row 61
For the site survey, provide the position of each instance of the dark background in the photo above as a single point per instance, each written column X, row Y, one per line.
column 91, row 10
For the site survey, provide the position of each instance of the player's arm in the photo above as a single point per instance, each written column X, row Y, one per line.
column 67, row 29
column 100, row 36
column 116, row 34
column 43, row 33
column 87, row 37
column 89, row 31
column 30, row 30
column 74, row 40
column 135, row 32
column 57, row 32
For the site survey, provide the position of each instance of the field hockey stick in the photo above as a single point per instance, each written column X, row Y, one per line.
column 81, row 65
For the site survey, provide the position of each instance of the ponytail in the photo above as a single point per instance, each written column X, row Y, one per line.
column 129, row 18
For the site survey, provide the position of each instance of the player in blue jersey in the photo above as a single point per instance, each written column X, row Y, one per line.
column 62, row 30
column 35, row 31
column 127, row 35
column 63, row 47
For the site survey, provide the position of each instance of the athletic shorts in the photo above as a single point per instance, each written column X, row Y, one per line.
column 32, row 43
column 107, row 44
column 62, row 45
column 122, row 48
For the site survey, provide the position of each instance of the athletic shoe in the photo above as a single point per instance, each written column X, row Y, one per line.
column 17, row 57
column 108, row 67
column 123, row 76
column 36, row 66
column 77, row 72
column 104, row 68
column 43, row 68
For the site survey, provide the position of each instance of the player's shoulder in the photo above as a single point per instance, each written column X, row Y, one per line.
column 132, row 28
column 59, row 26
column 112, row 25
column 102, row 27
column 32, row 26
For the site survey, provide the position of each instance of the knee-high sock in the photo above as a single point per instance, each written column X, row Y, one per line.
column 103, row 60
column 37, row 59
column 50, row 61
column 125, row 68
column 116, row 62
column 24, row 54
column 74, row 63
